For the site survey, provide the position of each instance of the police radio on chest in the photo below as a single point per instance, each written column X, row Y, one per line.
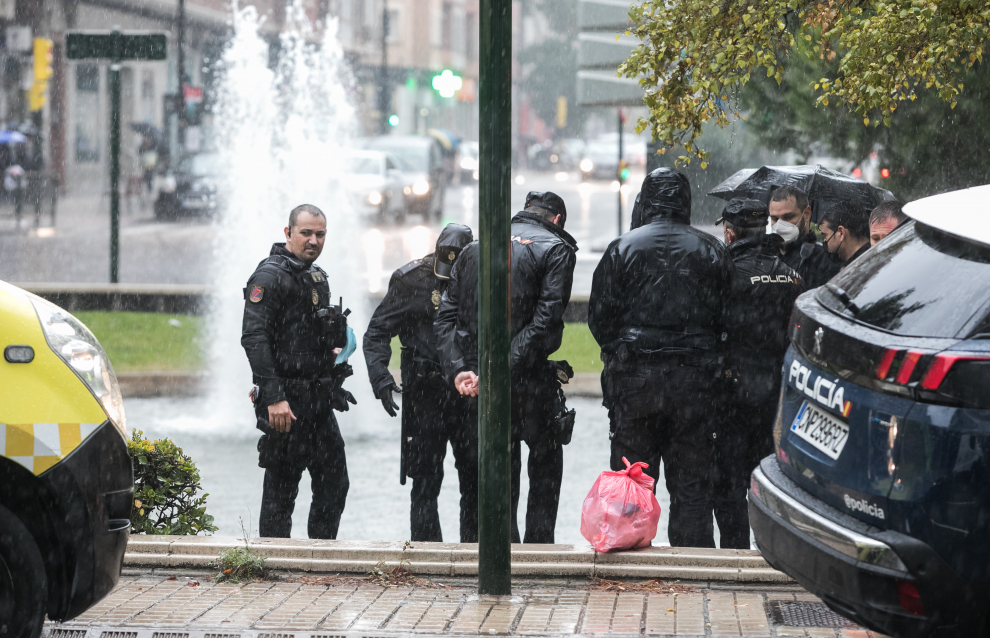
column 333, row 320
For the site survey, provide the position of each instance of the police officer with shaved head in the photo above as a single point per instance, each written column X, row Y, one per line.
column 758, row 312
column 433, row 413
column 293, row 335
column 542, row 270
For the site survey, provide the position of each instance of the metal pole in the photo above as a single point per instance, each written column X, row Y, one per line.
column 384, row 103
column 181, row 62
column 494, row 400
column 115, row 159
column 619, row 164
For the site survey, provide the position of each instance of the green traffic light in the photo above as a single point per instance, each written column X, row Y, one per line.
column 625, row 173
column 393, row 120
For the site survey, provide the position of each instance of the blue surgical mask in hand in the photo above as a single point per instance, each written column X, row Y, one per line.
column 348, row 349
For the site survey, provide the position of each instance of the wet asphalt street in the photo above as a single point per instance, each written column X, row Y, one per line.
column 76, row 248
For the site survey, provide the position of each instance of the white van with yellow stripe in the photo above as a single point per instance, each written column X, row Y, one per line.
column 66, row 483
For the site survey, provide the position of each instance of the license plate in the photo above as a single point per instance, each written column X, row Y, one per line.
column 822, row 430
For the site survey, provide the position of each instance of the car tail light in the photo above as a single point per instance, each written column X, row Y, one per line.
column 907, row 366
column 754, row 486
column 885, row 361
column 941, row 365
column 910, row 598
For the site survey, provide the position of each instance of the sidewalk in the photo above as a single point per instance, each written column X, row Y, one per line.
column 187, row 604
column 322, row 589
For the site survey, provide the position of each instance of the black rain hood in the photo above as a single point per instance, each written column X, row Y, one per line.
column 666, row 194
column 453, row 238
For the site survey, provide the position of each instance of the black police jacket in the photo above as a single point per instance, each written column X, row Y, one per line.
column 407, row 311
column 661, row 288
column 810, row 260
column 281, row 333
column 542, row 264
column 757, row 317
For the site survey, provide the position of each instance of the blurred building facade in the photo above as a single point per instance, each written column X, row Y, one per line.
column 425, row 38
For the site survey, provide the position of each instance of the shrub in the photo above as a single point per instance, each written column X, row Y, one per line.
column 166, row 488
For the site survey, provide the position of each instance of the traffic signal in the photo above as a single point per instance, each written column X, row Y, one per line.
column 623, row 170
column 447, row 83
column 42, row 73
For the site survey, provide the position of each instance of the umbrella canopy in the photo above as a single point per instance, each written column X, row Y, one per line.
column 11, row 137
column 823, row 186
column 150, row 130
column 447, row 139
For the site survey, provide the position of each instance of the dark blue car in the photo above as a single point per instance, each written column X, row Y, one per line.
column 878, row 497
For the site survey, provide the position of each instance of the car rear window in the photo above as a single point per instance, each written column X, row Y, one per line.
column 922, row 282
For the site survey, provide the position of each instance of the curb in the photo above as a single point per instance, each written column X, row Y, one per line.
column 458, row 559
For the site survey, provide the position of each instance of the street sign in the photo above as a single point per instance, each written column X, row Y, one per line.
column 600, row 54
column 18, row 38
column 83, row 45
column 115, row 46
column 192, row 94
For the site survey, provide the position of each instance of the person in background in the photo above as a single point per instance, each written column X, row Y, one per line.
column 845, row 233
column 757, row 316
column 657, row 310
column 884, row 219
column 790, row 213
column 432, row 411
column 542, row 269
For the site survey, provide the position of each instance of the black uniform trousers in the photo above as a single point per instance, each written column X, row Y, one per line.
column 743, row 438
column 433, row 413
column 665, row 411
column 532, row 401
column 313, row 443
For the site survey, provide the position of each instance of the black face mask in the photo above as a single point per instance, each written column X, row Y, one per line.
column 833, row 256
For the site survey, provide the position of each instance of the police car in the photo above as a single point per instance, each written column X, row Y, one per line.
column 878, row 496
column 66, row 483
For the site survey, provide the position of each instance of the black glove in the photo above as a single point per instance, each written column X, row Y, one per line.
column 340, row 399
column 385, row 396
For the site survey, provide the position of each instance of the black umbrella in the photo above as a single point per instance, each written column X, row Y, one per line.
column 823, row 186
column 150, row 130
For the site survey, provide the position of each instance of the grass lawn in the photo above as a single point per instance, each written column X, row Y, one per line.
column 144, row 341
column 148, row 341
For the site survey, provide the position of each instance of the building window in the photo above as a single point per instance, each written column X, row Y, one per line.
column 446, row 25
column 87, row 116
column 394, row 26
column 471, row 36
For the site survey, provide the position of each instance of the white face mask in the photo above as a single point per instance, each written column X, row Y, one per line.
column 788, row 231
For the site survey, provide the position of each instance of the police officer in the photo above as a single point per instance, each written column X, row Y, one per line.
column 433, row 412
column 542, row 262
column 657, row 309
column 763, row 294
column 290, row 334
column 790, row 213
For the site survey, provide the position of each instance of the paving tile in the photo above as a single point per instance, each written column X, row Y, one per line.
column 660, row 613
column 689, row 614
column 535, row 619
column 407, row 616
column 470, row 618
column 438, row 616
column 500, row 619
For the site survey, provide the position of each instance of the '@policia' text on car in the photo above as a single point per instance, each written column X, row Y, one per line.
column 878, row 496
column 66, row 484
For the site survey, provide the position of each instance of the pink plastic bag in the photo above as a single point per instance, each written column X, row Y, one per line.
column 621, row 511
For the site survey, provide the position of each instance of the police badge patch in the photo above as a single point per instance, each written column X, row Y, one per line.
column 318, row 277
column 316, row 297
column 452, row 256
column 257, row 294
column 435, row 298
column 562, row 376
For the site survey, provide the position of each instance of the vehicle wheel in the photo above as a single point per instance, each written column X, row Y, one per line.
column 23, row 582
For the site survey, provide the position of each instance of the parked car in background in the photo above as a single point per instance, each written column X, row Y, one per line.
column 421, row 161
column 467, row 162
column 190, row 188
column 66, row 477
column 877, row 499
column 374, row 183
column 600, row 160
